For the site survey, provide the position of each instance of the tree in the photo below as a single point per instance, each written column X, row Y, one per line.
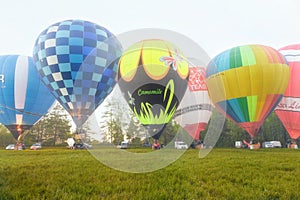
column 231, row 133
column 110, row 125
column 115, row 118
column 135, row 131
column 271, row 129
column 118, row 121
column 169, row 132
column 5, row 137
column 117, row 135
column 53, row 128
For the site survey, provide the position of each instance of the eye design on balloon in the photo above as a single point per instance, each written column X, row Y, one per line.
column 172, row 61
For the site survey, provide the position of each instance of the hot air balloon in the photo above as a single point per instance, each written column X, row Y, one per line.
column 77, row 61
column 288, row 109
column 23, row 97
column 246, row 83
column 153, row 77
column 195, row 108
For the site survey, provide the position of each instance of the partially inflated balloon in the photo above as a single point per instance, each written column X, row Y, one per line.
column 288, row 109
column 246, row 83
column 77, row 61
column 24, row 99
column 153, row 77
column 195, row 108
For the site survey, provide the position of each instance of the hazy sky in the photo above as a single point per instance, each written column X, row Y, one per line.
column 216, row 25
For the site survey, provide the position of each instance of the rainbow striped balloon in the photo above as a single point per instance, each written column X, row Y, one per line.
column 246, row 83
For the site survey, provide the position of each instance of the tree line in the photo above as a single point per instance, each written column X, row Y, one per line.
column 118, row 123
column 51, row 130
column 271, row 130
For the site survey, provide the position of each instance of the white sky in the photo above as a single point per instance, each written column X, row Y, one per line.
column 215, row 25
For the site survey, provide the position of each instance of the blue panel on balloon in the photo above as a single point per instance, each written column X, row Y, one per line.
column 24, row 98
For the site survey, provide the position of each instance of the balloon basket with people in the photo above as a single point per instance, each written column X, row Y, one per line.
column 251, row 144
column 156, row 145
column 292, row 144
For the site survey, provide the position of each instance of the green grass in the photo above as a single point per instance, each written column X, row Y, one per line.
column 223, row 174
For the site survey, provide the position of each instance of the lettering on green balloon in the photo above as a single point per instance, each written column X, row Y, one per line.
column 146, row 115
column 149, row 92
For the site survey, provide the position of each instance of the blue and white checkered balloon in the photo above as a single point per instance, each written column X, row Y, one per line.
column 77, row 60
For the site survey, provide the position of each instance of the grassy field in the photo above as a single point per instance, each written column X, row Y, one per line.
column 223, row 174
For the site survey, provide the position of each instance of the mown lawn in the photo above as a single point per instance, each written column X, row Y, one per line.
column 223, row 174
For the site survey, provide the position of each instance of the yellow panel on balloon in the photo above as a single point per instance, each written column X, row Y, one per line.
column 129, row 62
column 238, row 82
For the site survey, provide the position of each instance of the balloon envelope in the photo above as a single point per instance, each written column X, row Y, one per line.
column 77, row 61
column 288, row 109
column 24, row 99
column 246, row 83
column 153, row 78
column 195, row 108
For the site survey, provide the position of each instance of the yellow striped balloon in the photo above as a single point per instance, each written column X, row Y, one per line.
column 246, row 83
